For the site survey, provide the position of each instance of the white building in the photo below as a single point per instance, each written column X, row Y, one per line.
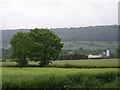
column 94, row 56
column 105, row 54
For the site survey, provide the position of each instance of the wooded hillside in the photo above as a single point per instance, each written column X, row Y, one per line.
column 91, row 33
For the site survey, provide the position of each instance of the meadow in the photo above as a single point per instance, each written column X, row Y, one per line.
column 96, row 73
column 87, row 63
column 59, row 77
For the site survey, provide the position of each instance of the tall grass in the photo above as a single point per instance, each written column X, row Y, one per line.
column 59, row 78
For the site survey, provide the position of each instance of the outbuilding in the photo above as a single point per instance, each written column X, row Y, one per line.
column 90, row 56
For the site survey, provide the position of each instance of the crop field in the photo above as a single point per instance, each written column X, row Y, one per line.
column 96, row 73
column 59, row 78
column 88, row 63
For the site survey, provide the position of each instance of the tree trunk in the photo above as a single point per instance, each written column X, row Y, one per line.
column 44, row 62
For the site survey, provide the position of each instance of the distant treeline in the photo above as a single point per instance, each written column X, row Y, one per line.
column 67, row 54
column 91, row 33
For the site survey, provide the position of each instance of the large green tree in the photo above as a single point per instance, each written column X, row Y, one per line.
column 40, row 45
column 19, row 48
column 45, row 46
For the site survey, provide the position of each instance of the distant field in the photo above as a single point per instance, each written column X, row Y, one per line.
column 90, row 45
column 59, row 78
column 89, row 63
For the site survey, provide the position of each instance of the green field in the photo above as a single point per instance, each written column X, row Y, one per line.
column 90, row 45
column 88, row 63
column 97, row 73
column 87, row 45
column 59, row 78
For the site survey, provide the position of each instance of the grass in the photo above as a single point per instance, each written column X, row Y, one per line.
column 89, row 63
column 59, row 77
column 96, row 73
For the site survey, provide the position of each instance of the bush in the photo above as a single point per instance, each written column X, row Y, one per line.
column 73, row 56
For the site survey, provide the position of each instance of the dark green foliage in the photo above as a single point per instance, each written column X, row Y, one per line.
column 19, row 44
column 45, row 46
column 77, row 54
column 38, row 45
column 91, row 33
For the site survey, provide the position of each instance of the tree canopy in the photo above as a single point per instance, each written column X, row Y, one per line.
column 38, row 45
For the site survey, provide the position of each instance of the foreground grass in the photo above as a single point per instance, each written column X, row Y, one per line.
column 59, row 77
column 89, row 63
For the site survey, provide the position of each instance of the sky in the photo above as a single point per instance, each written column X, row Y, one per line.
column 26, row 14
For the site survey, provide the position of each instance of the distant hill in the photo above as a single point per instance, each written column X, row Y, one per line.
column 91, row 33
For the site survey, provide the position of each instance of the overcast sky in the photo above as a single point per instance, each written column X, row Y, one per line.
column 15, row 14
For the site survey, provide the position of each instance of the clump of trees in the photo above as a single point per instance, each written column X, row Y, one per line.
column 73, row 55
column 40, row 45
column 68, row 54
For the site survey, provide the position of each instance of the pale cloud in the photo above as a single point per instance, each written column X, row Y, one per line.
column 57, row 13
